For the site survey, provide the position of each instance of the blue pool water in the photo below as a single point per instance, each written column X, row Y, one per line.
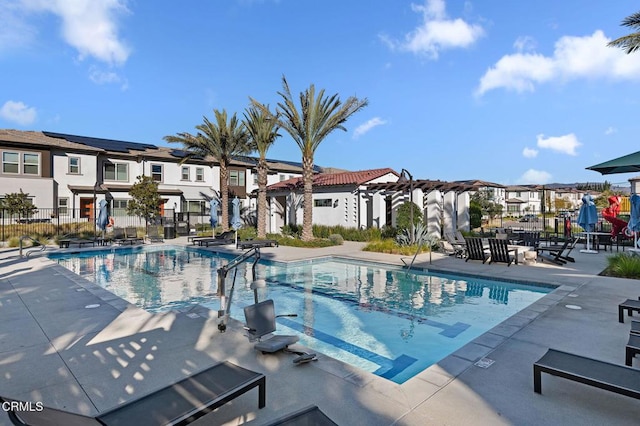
column 378, row 318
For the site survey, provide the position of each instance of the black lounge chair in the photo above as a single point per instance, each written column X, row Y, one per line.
column 500, row 251
column 555, row 253
column 132, row 235
column 177, row 404
column 80, row 242
column 603, row 375
column 309, row 416
column 475, row 249
column 628, row 305
column 261, row 321
column 635, row 327
column 632, row 349
column 227, row 237
column 256, row 244
column 154, row 235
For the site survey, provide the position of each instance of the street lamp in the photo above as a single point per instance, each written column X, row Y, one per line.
column 404, row 176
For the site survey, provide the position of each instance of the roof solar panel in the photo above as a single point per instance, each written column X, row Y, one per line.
column 106, row 144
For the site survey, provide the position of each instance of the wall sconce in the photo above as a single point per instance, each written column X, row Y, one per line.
column 335, row 203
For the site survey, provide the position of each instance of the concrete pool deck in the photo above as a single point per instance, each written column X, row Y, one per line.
column 56, row 350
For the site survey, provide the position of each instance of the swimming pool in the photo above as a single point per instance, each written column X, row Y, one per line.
column 379, row 318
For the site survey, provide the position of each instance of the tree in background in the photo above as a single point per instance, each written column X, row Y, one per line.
column 631, row 42
column 403, row 219
column 262, row 128
column 18, row 203
column 317, row 117
column 145, row 202
column 482, row 199
column 222, row 139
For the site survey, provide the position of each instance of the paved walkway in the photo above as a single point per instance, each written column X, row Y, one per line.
column 55, row 348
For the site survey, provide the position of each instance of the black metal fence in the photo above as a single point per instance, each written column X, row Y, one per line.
column 51, row 223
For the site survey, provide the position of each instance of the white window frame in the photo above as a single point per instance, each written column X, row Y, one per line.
column 63, row 206
column 25, row 163
column 154, row 174
column 17, row 163
column 238, row 175
column 115, row 172
column 70, row 170
column 199, row 174
column 182, row 173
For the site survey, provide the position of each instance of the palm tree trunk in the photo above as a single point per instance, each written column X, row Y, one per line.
column 262, row 198
column 307, row 218
column 224, row 194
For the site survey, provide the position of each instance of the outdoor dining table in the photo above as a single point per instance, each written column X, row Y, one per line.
column 518, row 249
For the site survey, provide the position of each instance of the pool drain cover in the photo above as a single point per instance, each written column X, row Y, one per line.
column 95, row 305
column 484, row 363
column 192, row 315
column 575, row 307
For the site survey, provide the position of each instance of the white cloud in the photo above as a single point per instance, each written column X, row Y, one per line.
column 566, row 144
column 573, row 58
column 533, row 176
column 99, row 76
column 18, row 112
column 365, row 127
column 436, row 32
column 610, row 130
column 524, row 44
column 530, row 153
column 15, row 32
column 90, row 26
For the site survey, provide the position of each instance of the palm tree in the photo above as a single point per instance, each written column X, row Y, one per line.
column 317, row 118
column 222, row 139
column 630, row 42
column 263, row 132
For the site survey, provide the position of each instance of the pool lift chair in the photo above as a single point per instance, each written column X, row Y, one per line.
column 260, row 317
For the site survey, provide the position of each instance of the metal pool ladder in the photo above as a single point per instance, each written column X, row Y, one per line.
column 43, row 247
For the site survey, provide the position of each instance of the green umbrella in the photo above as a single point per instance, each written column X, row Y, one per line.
column 626, row 164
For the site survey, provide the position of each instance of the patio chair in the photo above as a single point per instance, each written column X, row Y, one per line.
column 154, row 235
column 227, row 237
column 600, row 374
column 119, row 236
column 554, row 253
column 310, row 416
column 256, row 243
column 530, row 239
column 131, row 234
column 475, row 249
column 261, row 321
column 451, row 250
column 500, row 250
column 459, row 248
column 180, row 403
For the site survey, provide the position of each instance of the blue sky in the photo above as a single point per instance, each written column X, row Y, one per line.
column 505, row 91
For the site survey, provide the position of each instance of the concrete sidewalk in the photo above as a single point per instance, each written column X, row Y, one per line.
column 56, row 346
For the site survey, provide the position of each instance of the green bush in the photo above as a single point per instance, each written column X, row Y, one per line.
column 392, row 247
column 623, row 265
column 336, row 239
column 247, row 233
column 475, row 216
column 349, row 234
column 285, row 240
column 291, row 230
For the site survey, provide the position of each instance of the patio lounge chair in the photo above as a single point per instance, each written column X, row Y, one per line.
column 451, row 250
column 310, row 416
column 603, row 375
column 179, row 403
column 132, row 235
column 459, row 248
column 154, row 235
column 475, row 250
column 555, row 253
column 256, row 243
column 261, row 321
column 223, row 239
column 500, row 251
column 80, row 242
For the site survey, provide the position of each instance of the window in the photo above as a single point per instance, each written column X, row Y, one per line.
column 63, row 206
column 31, row 164
column 10, row 162
column 185, row 173
column 156, row 172
column 74, row 165
column 198, row 206
column 518, row 194
column 255, row 178
column 199, row 174
column 283, row 178
column 323, row 202
column 25, row 163
column 236, row 178
column 120, row 207
column 116, row 171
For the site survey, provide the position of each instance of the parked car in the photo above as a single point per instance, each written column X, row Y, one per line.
column 529, row 218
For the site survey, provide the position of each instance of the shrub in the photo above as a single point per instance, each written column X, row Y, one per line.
column 336, row 239
column 349, row 234
column 403, row 220
column 286, row 240
column 291, row 230
column 391, row 247
column 623, row 265
column 247, row 233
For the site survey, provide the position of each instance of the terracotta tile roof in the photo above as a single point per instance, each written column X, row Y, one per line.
column 335, row 179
